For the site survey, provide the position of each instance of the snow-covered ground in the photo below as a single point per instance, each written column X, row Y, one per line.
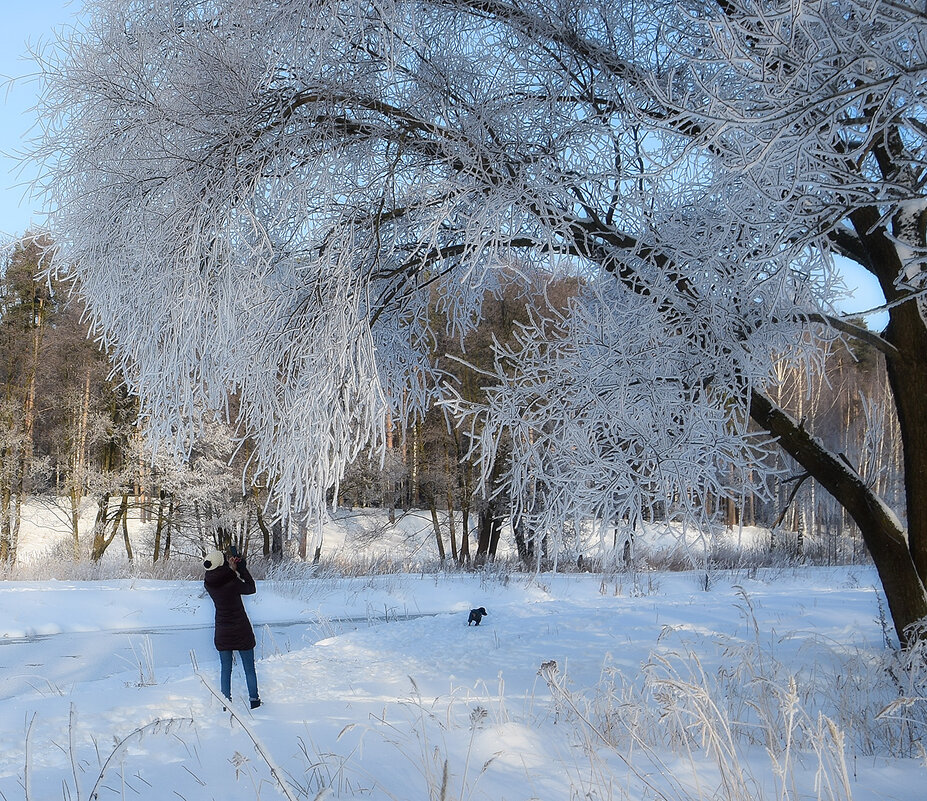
column 632, row 686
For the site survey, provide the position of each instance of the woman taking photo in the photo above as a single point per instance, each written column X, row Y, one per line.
column 227, row 580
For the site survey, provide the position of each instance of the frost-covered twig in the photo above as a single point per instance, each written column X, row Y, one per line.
column 27, row 777
column 165, row 724
column 262, row 751
column 72, row 750
column 551, row 674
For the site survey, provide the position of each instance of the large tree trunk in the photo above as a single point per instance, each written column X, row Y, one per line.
column 906, row 365
column 909, row 387
column 881, row 529
column 899, row 551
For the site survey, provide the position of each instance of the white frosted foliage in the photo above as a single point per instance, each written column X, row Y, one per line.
column 266, row 201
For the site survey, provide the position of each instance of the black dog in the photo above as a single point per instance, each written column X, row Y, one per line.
column 476, row 615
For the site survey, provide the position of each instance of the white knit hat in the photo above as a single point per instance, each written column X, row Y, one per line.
column 213, row 560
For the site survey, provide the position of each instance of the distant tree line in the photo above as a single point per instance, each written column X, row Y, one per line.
column 430, row 465
column 70, row 436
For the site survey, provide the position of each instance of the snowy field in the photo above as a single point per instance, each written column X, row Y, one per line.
column 764, row 685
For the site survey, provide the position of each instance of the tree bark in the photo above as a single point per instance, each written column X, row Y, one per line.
column 881, row 529
column 265, row 532
column 74, row 497
column 452, row 525
column 102, row 540
column 437, row 528
column 523, row 546
column 167, row 527
column 465, row 532
column 465, row 496
column 159, row 525
column 276, row 543
column 125, row 529
column 907, row 375
column 489, row 528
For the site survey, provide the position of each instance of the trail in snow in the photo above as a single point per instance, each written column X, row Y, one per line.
column 55, row 662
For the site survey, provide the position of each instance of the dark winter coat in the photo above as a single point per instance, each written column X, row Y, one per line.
column 233, row 629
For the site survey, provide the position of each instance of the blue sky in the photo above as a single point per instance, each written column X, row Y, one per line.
column 26, row 23
column 31, row 22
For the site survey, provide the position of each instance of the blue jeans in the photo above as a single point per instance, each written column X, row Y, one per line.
column 247, row 663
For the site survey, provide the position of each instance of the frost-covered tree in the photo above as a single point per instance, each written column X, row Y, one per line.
column 260, row 196
column 820, row 109
column 27, row 307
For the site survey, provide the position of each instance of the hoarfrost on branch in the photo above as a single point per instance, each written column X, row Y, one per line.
column 263, row 197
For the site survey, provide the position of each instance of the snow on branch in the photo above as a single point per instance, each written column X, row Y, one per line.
column 267, row 198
